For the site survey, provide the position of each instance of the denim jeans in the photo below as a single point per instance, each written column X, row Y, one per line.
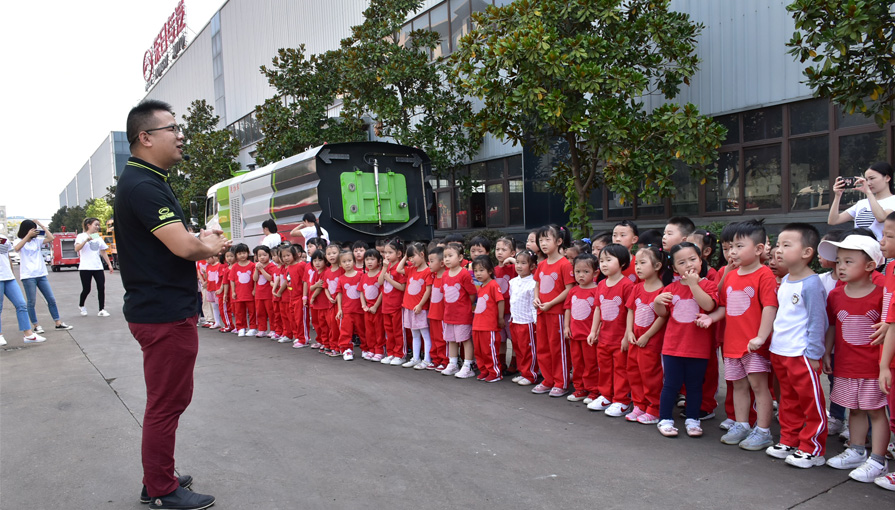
column 32, row 285
column 11, row 289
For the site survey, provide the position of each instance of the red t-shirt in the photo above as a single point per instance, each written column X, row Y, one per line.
column 370, row 288
column 436, row 300
column 211, row 275
column 263, row 287
column 292, row 274
column 241, row 279
column 713, row 275
column 320, row 302
column 392, row 297
column 683, row 337
column 854, row 318
column 485, row 316
column 417, row 281
column 457, row 305
column 641, row 303
column 349, row 288
column 275, row 272
column 745, row 296
column 888, row 304
column 613, row 315
column 331, row 277
column 581, row 305
column 552, row 280
column 503, row 275
column 630, row 273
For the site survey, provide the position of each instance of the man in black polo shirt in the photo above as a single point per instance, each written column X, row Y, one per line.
column 157, row 256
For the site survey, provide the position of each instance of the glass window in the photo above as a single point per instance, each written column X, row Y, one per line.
column 495, row 169
column 686, row 199
column 422, row 22
column 439, row 18
column 844, row 120
column 496, row 213
column 459, row 21
column 732, row 123
column 501, row 3
column 654, row 206
column 444, row 209
column 763, row 124
column 809, row 173
column 404, row 35
column 808, row 116
column 617, row 209
column 515, row 199
column 461, row 206
column 856, row 153
column 762, row 171
column 514, row 166
column 477, row 171
column 722, row 194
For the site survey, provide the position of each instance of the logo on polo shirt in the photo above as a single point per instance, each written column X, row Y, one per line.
column 164, row 213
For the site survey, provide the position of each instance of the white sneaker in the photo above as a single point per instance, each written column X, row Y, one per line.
column 272, row 335
column 451, row 369
column 835, row 426
column 396, row 361
column 241, row 332
column 252, row 332
column 726, row 424
column 261, row 334
column 387, row 360
column 524, row 382
column 298, row 345
column 83, row 311
column 38, row 329
column 465, row 372
column 366, row 355
column 516, row 379
column 849, row 459
column 869, row 471
column 423, row 365
column 804, row 460
column 348, row 355
column 284, row 340
column 600, row 404
column 617, row 409
column 412, row 363
column 103, row 313
column 2, row 341
column 34, row 339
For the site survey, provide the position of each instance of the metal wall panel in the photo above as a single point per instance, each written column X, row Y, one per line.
column 103, row 167
column 71, row 193
column 190, row 76
column 84, row 189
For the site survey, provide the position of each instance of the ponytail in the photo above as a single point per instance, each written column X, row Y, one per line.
column 313, row 219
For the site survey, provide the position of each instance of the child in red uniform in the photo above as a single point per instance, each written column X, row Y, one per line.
column 348, row 305
column 522, row 329
column 276, row 323
column 553, row 279
column 626, row 233
column 359, row 249
column 263, row 292
column 415, row 305
column 321, row 308
column 373, row 348
column 748, row 303
column 393, row 284
column 459, row 294
column 288, row 255
column 223, row 292
column 438, row 354
column 577, row 324
column 686, row 346
column 487, row 321
column 504, row 271
column 853, row 309
column 887, row 353
column 608, row 332
column 644, row 335
column 298, row 273
column 242, row 290
column 211, row 287
column 331, row 287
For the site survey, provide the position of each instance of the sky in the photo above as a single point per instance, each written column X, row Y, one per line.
column 71, row 72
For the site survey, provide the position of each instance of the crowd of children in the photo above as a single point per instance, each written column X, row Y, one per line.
column 630, row 323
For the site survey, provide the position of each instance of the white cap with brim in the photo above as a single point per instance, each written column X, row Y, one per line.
column 870, row 246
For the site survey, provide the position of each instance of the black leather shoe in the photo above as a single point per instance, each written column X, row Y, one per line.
column 182, row 499
column 184, row 481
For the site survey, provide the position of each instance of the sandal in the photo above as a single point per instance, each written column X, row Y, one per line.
column 667, row 428
column 694, row 429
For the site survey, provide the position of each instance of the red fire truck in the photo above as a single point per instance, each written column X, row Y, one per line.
column 64, row 254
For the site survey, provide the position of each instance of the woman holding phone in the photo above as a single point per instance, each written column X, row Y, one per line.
column 870, row 212
column 9, row 287
column 33, row 271
column 90, row 245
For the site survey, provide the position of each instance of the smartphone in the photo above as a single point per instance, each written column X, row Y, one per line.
column 849, row 182
column 41, row 232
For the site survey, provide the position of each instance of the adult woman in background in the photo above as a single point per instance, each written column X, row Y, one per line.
column 33, row 271
column 309, row 228
column 90, row 245
column 10, row 288
column 878, row 185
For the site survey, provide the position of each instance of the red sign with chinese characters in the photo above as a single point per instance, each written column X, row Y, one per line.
column 155, row 60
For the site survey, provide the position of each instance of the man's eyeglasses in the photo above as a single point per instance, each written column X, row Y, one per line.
column 175, row 128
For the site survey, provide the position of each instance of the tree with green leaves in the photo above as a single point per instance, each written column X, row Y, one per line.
column 576, row 72
column 71, row 218
column 296, row 117
column 212, row 152
column 851, row 47
column 98, row 208
column 408, row 96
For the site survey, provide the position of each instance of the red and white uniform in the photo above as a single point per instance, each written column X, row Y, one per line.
column 321, row 308
column 244, row 302
column 486, row 330
column 744, row 298
column 613, row 361
column 417, row 283
column 352, row 313
column 457, row 317
column 439, row 353
column 299, row 304
column 553, row 349
column 276, row 321
column 264, row 299
column 889, row 314
column 503, row 275
column 645, row 363
column 580, row 305
column 331, row 285
column 856, row 366
column 523, row 326
column 630, row 273
column 393, row 318
column 683, row 338
column 374, row 337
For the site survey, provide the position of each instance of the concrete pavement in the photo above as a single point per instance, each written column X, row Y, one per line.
column 272, row 427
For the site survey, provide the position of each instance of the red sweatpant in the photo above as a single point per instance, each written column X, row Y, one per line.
column 553, row 351
column 320, row 319
column 486, row 345
column 332, row 342
column 169, row 357
column 395, row 341
column 438, row 353
column 645, row 376
column 351, row 323
column 585, row 373
column 241, row 309
column 224, row 309
column 286, row 317
column 263, row 313
column 276, row 323
column 300, row 320
column 613, row 362
column 710, row 385
column 802, row 408
column 525, row 349
column 374, row 334
column 892, row 404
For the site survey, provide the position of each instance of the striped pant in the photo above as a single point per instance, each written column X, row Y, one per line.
column 525, row 349
column 487, row 353
column 802, row 408
column 553, row 351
